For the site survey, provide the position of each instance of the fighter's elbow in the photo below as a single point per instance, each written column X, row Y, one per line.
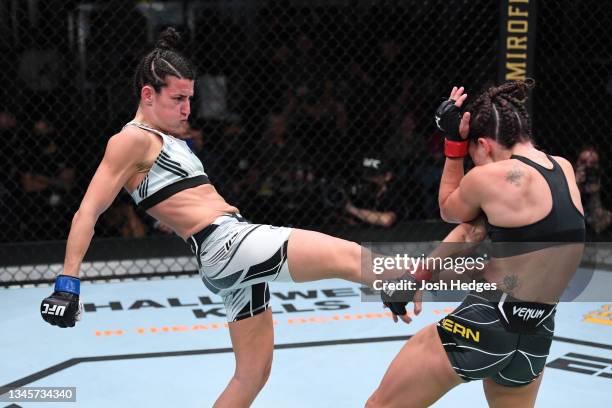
column 447, row 216
column 85, row 214
column 444, row 210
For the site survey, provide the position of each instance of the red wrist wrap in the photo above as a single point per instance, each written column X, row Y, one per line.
column 455, row 149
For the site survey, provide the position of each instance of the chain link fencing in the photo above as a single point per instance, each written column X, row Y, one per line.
column 572, row 101
column 305, row 113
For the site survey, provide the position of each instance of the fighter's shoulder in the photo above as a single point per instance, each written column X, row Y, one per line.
column 564, row 163
column 484, row 172
column 503, row 167
column 131, row 135
column 130, row 138
column 129, row 141
column 484, row 178
column 567, row 167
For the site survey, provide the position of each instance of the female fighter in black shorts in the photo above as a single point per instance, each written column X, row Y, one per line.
column 531, row 203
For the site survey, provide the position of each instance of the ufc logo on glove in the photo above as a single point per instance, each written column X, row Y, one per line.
column 55, row 310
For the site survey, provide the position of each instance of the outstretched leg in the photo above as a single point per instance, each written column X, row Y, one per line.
column 313, row 256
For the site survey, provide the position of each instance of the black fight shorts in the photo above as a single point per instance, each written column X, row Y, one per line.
column 495, row 336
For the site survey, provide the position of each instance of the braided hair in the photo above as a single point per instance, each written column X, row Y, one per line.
column 162, row 61
column 500, row 113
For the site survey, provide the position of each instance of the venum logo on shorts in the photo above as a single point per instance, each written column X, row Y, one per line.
column 584, row 364
column 527, row 313
column 53, row 310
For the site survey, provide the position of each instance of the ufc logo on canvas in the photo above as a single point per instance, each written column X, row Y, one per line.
column 53, row 310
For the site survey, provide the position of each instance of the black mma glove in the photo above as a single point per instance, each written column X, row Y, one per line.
column 448, row 118
column 397, row 299
column 63, row 307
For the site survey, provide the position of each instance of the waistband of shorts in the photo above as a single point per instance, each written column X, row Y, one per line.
column 518, row 316
column 497, row 296
column 201, row 235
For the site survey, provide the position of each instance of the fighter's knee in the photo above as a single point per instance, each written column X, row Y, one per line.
column 353, row 258
column 261, row 377
column 255, row 375
column 264, row 372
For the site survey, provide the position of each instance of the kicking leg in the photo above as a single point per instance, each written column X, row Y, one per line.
column 314, row 256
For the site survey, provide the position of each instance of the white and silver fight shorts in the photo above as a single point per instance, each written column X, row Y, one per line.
column 237, row 259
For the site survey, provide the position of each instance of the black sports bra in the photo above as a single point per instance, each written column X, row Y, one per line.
column 564, row 223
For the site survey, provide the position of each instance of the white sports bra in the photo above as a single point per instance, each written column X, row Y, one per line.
column 175, row 169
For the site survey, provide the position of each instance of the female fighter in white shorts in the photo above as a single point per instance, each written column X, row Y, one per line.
column 236, row 259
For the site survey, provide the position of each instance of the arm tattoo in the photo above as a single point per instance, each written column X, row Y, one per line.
column 514, row 176
column 143, row 167
column 510, row 283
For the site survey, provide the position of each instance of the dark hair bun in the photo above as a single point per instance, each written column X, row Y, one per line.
column 517, row 90
column 169, row 39
column 522, row 88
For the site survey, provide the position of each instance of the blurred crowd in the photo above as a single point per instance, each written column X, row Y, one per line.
column 311, row 118
column 297, row 133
